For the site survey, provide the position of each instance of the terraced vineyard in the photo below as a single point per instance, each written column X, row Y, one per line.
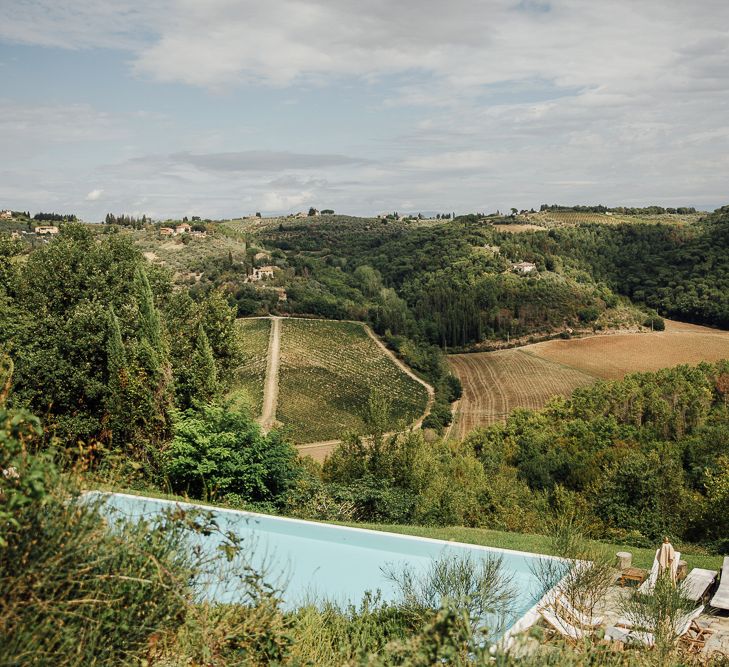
column 251, row 375
column 326, row 373
column 580, row 217
column 496, row 383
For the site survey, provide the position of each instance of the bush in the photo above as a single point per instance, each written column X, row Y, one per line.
column 216, row 451
column 655, row 322
column 71, row 591
column 439, row 417
column 589, row 314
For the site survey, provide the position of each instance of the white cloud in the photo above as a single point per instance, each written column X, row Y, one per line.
column 508, row 102
column 94, row 195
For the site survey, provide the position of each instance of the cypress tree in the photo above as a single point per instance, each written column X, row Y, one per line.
column 153, row 361
column 203, row 367
column 118, row 372
column 150, row 328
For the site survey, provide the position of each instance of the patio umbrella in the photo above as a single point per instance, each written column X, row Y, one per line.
column 667, row 560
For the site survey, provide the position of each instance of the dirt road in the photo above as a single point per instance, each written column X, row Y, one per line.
column 270, row 390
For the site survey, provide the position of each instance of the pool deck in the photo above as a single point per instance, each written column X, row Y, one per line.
column 714, row 619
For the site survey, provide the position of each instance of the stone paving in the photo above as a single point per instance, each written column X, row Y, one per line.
column 714, row 619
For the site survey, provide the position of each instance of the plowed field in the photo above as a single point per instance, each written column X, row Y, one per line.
column 495, row 383
column 613, row 356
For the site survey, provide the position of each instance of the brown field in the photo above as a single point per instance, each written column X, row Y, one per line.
column 495, row 383
column 613, row 356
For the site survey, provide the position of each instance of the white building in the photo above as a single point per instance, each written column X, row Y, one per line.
column 261, row 273
column 524, row 268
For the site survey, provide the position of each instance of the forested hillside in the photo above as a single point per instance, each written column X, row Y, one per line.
column 451, row 284
column 681, row 271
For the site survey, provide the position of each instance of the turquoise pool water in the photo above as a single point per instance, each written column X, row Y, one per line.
column 315, row 561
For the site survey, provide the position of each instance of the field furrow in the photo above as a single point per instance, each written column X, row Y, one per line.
column 496, row 383
column 327, row 372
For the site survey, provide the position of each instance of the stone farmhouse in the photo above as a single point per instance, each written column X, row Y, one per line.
column 261, row 273
column 6, row 215
column 524, row 268
column 46, row 230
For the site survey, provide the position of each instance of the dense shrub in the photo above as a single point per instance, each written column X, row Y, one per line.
column 72, row 592
column 217, row 451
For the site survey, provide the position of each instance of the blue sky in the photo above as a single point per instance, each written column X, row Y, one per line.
column 227, row 107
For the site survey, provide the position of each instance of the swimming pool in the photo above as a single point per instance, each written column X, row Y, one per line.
column 317, row 561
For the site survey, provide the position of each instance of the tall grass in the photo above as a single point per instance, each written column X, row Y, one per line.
column 73, row 592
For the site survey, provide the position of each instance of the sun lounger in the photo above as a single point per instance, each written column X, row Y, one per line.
column 687, row 630
column 721, row 597
column 562, row 627
column 579, row 617
column 646, row 588
column 698, row 581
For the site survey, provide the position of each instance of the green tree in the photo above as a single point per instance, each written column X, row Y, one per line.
column 217, row 452
column 203, row 364
column 119, row 379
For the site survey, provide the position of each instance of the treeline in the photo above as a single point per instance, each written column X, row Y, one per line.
column 124, row 220
column 625, row 210
column 55, row 217
column 102, row 346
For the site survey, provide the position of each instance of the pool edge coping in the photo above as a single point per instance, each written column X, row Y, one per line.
column 433, row 540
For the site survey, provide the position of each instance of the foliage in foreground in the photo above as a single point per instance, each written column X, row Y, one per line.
column 73, row 592
column 76, row 591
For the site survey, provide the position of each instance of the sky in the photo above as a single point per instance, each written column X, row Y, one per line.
column 223, row 108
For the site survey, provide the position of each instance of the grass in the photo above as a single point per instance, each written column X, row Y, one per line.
column 250, row 377
column 527, row 542
column 642, row 557
column 326, row 375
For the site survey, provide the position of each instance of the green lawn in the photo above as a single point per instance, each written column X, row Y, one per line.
column 250, row 377
column 327, row 371
column 538, row 543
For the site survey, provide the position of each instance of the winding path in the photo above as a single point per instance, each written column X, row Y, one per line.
column 320, row 450
column 405, row 369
